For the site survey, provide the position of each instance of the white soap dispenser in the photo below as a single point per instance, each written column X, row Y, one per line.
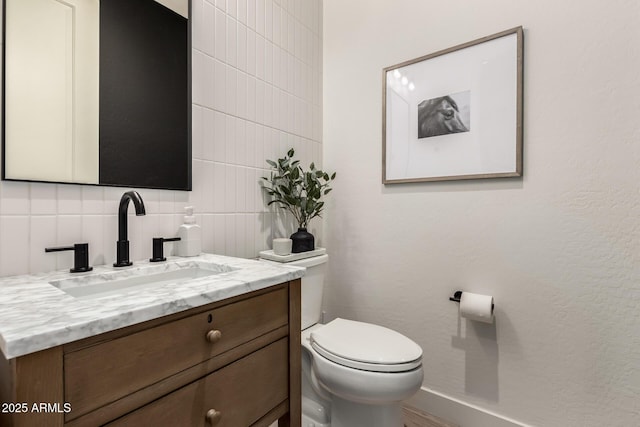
column 190, row 243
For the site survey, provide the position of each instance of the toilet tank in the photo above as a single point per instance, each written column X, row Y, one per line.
column 312, row 288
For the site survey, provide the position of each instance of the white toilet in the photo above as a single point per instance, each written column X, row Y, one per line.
column 354, row 374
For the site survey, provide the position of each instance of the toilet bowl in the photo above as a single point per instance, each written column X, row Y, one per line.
column 364, row 370
column 354, row 374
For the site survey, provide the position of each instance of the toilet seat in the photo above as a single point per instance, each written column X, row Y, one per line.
column 366, row 347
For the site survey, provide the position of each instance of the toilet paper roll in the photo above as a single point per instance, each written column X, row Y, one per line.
column 476, row 307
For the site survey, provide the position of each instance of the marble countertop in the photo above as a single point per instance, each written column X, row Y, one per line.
column 34, row 315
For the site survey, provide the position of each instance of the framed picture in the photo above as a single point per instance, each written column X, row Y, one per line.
column 455, row 114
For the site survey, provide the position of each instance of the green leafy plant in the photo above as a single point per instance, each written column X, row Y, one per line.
column 296, row 190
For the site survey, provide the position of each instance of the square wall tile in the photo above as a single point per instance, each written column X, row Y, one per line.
column 251, row 52
column 93, row 233
column 149, row 228
column 230, row 190
column 14, row 198
column 260, row 57
column 208, row 83
column 276, row 30
column 197, row 77
column 242, row 11
column 196, row 195
column 239, row 236
column 220, row 82
column 230, row 235
column 259, row 102
column 219, row 137
column 232, row 8
column 268, row 62
column 230, row 140
column 197, row 136
column 218, row 188
column 42, row 235
column 197, row 27
column 208, row 135
column 208, row 195
column 251, row 14
column 69, row 232
column 232, row 39
column 207, row 233
column 268, row 20
column 268, row 105
column 219, row 227
column 251, row 98
column 241, row 95
column 241, row 182
column 92, row 200
column 110, row 236
column 260, row 13
column 241, row 143
column 250, row 223
column 206, row 28
column 221, row 35
column 44, row 199
column 69, row 199
column 242, row 48
column 167, row 201
column 232, row 92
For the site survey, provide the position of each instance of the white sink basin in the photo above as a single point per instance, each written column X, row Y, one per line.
column 98, row 285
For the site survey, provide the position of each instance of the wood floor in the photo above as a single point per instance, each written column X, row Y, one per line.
column 417, row 418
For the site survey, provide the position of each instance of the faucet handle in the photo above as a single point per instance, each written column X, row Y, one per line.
column 80, row 256
column 158, row 248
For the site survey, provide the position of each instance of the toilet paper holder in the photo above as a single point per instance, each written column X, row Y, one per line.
column 458, row 294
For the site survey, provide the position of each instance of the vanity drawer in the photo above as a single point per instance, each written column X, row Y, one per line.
column 108, row 371
column 241, row 392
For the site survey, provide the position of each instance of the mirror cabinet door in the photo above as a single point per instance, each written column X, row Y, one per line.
column 98, row 92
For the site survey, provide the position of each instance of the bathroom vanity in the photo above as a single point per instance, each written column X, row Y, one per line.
column 221, row 348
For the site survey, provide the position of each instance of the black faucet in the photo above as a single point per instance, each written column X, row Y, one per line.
column 80, row 256
column 122, row 248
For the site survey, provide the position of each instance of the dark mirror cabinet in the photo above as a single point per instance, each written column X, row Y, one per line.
column 97, row 92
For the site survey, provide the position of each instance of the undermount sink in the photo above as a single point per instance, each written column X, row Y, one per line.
column 98, row 285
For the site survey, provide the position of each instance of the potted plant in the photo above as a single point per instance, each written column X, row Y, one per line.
column 299, row 192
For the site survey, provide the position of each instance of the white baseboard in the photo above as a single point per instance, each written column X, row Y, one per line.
column 458, row 412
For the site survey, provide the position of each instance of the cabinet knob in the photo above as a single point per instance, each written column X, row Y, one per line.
column 214, row 336
column 213, row 416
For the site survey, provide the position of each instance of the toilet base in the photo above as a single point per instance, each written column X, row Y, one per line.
column 346, row 413
column 309, row 422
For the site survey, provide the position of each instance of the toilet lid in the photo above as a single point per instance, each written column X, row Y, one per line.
column 365, row 346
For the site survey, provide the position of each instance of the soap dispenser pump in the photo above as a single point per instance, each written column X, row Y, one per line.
column 190, row 243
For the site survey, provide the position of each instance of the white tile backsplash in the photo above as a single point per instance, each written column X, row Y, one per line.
column 242, row 11
column 232, row 41
column 232, row 8
column 220, row 35
column 92, row 200
column 42, row 235
column 260, row 16
column 43, row 199
column 251, row 14
column 242, row 47
column 256, row 92
column 206, row 33
column 268, row 20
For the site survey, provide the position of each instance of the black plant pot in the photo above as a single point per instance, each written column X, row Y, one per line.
column 303, row 241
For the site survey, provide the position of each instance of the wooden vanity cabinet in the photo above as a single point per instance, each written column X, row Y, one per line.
column 231, row 363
